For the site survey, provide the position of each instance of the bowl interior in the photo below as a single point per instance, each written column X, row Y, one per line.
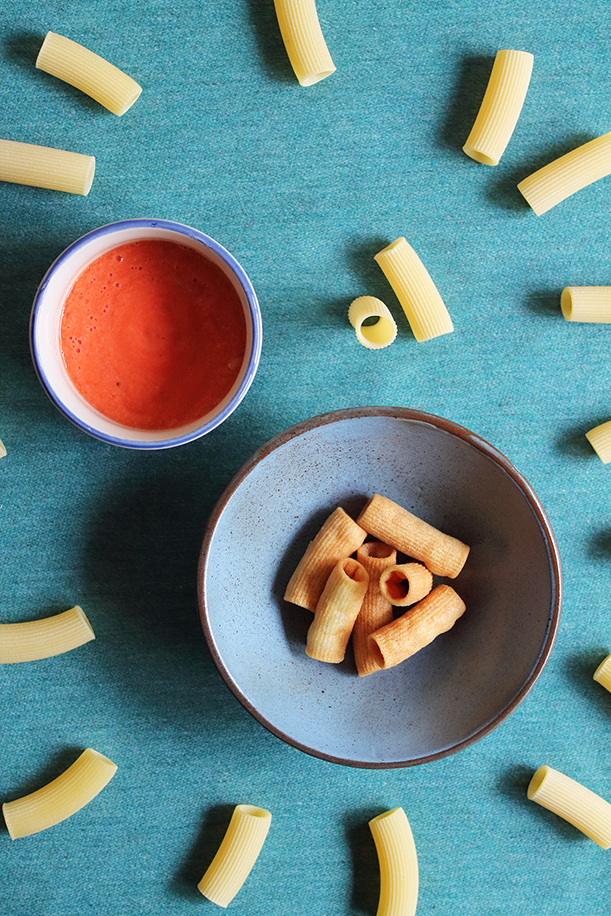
column 46, row 321
column 449, row 694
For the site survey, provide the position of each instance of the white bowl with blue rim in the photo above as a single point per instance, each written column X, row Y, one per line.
column 45, row 323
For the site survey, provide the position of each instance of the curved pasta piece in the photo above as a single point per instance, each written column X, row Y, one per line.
column 570, row 800
column 2, row 449
column 501, row 106
column 603, row 673
column 81, row 68
column 375, row 610
column 61, row 798
column 586, row 303
column 396, row 851
column 304, row 41
column 423, row 306
column 567, row 175
column 373, row 336
column 236, row 855
column 600, row 440
column 44, row 167
column 406, row 584
column 36, row 639
column 336, row 612
column 384, row 519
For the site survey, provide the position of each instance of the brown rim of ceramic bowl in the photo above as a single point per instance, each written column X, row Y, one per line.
column 401, row 413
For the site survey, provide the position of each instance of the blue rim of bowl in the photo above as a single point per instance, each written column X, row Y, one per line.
column 253, row 305
column 399, row 413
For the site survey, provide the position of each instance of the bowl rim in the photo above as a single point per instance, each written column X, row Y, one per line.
column 402, row 413
column 253, row 308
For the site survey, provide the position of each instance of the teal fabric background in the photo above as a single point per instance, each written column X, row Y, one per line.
column 303, row 186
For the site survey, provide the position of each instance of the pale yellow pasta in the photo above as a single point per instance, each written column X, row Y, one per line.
column 2, row 449
column 603, row 673
column 567, row 175
column 386, row 520
column 417, row 628
column 570, row 800
column 501, row 107
column 81, row 68
column 236, row 855
column 600, row 440
column 586, row 303
column 423, row 306
column 405, row 584
column 303, row 40
column 61, row 798
column 338, row 538
column 336, row 612
column 44, row 167
column 35, row 639
column 396, row 851
column 373, row 336
column 375, row 610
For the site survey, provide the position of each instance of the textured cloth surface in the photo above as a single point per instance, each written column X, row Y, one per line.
column 303, row 186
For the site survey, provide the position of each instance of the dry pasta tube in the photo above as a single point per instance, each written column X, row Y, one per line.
column 35, row 639
column 586, row 303
column 396, row 850
column 81, row 68
column 337, row 611
column 303, row 40
column 60, row 799
column 406, row 584
column 570, row 800
column 603, row 673
column 442, row 554
column 600, row 440
column 43, row 167
column 423, row 306
column 419, row 626
column 567, row 175
column 338, row 538
column 501, row 107
column 2, row 449
column 375, row 610
column 373, row 336
column 236, row 855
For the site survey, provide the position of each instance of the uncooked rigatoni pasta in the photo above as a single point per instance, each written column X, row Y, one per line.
column 375, row 610
column 600, row 440
column 45, row 167
column 81, row 68
column 603, row 673
column 238, row 852
column 420, row 300
column 373, row 336
column 570, row 800
column 567, row 175
column 303, row 40
column 586, row 303
column 398, row 861
column 501, row 106
column 31, row 640
column 336, row 612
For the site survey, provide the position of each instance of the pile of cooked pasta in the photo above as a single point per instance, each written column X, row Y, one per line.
column 352, row 586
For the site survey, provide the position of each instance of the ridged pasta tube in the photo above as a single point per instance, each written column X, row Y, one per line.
column 236, row 855
column 570, row 800
column 386, row 520
column 405, row 584
column 61, row 798
column 81, row 68
column 398, row 861
column 2, row 450
column 44, row 167
column 586, row 303
column 336, row 612
column 373, row 336
column 501, row 107
column 36, row 639
column 567, row 175
column 375, row 610
column 600, row 440
column 603, row 673
column 304, row 41
column 423, row 306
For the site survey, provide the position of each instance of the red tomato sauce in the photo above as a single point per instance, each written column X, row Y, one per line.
column 153, row 334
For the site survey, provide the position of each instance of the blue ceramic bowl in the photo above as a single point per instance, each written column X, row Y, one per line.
column 45, row 331
column 449, row 694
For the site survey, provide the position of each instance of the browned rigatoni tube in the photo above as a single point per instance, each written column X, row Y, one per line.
column 375, row 611
column 339, row 537
column 418, row 627
column 336, row 611
column 405, row 584
column 389, row 522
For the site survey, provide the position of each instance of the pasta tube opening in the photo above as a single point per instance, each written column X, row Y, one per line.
column 374, row 335
column 406, row 583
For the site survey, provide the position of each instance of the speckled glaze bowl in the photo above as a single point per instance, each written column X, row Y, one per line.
column 453, row 692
